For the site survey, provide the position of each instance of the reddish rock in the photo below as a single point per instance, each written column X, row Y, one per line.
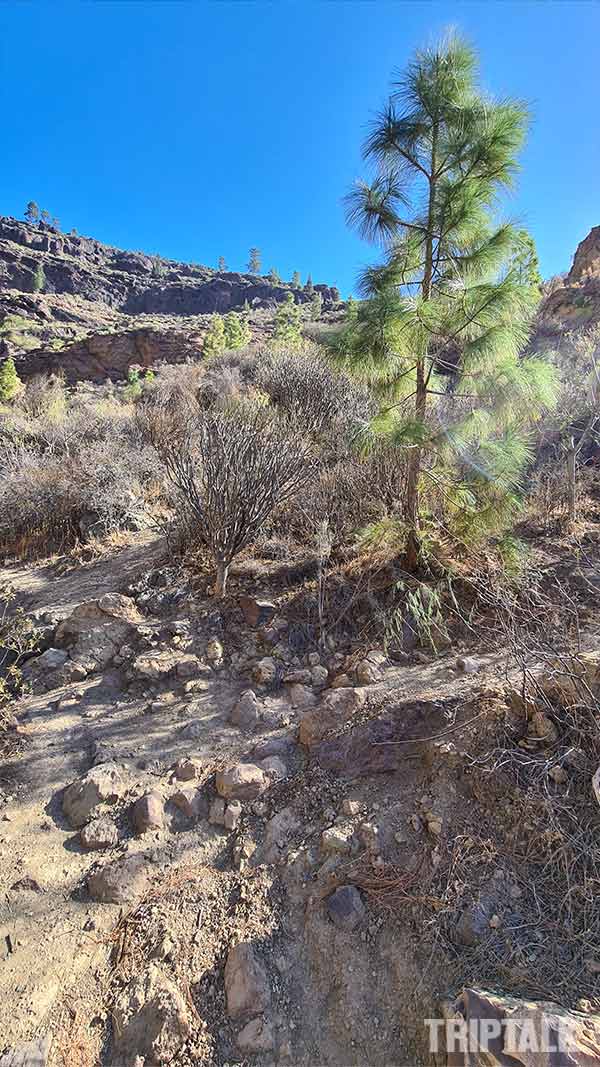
column 246, row 983
column 243, row 781
column 148, row 813
column 257, row 612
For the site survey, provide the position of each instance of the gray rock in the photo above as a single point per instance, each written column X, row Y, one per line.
column 216, row 815
column 103, row 784
column 246, row 983
column 121, row 882
column 99, row 833
column 246, row 711
column 345, row 908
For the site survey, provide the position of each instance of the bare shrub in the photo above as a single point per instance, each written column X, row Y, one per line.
column 230, row 468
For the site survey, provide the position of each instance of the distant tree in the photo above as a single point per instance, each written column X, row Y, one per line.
column 214, row 341
column 274, row 276
column 32, row 213
column 56, row 223
column 288, row 321
column 254, row 263
column 45, row 217
column 309, row 287
column 246, row 307
column 316, row 306
column 74, row 232
column 10, row 383
column 296, row 280
column 237, row 330
column 221, row 265
column 351, row 310
column 39, row 279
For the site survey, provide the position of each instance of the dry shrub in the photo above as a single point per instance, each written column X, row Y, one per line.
column 69, row 466
column 304, row 387
column 229, row 469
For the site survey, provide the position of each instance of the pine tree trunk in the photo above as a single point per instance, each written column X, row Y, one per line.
column 414, row 461
column 221, row 579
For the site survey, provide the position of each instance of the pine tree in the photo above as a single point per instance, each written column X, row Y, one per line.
column 39, row 279
column 296, row 280
column 221, row 265
column 316, row 306
column 351, row 310
column 45, row 216
column 237, row 331
column 274, row 277
column 214, row 341
column 254, row 263
column 32, row 213
column 10, row 383
column 56, row 223
column 309, row 287
column 288, row 321
column 446, row 316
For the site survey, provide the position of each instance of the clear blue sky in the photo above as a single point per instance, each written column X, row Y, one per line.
column 199, row 129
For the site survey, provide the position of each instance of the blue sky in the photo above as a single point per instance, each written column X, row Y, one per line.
column 199, row 129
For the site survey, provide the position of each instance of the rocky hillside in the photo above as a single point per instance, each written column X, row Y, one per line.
column 576, row 302
column 101, row 308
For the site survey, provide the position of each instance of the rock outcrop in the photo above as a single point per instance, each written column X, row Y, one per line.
column 91, row 318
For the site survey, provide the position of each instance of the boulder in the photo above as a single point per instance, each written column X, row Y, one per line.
column 152, row 1020
column 121, row 882
column 99, row 834
column 345, row 908
column 568, row 1037
column 103, row 784
column 246, row 983
column 335, row 710
column 43, row 671
column 242, row 781
column 148, row 813
column 191, row 801
column 246, row 711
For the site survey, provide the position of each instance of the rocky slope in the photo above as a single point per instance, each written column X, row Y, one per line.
column 576, row 303
column 91, row 290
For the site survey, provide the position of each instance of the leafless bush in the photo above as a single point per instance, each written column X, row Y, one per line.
column 230, row 469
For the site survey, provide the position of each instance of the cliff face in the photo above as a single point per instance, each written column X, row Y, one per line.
column 131, row 282
column 103, row 309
